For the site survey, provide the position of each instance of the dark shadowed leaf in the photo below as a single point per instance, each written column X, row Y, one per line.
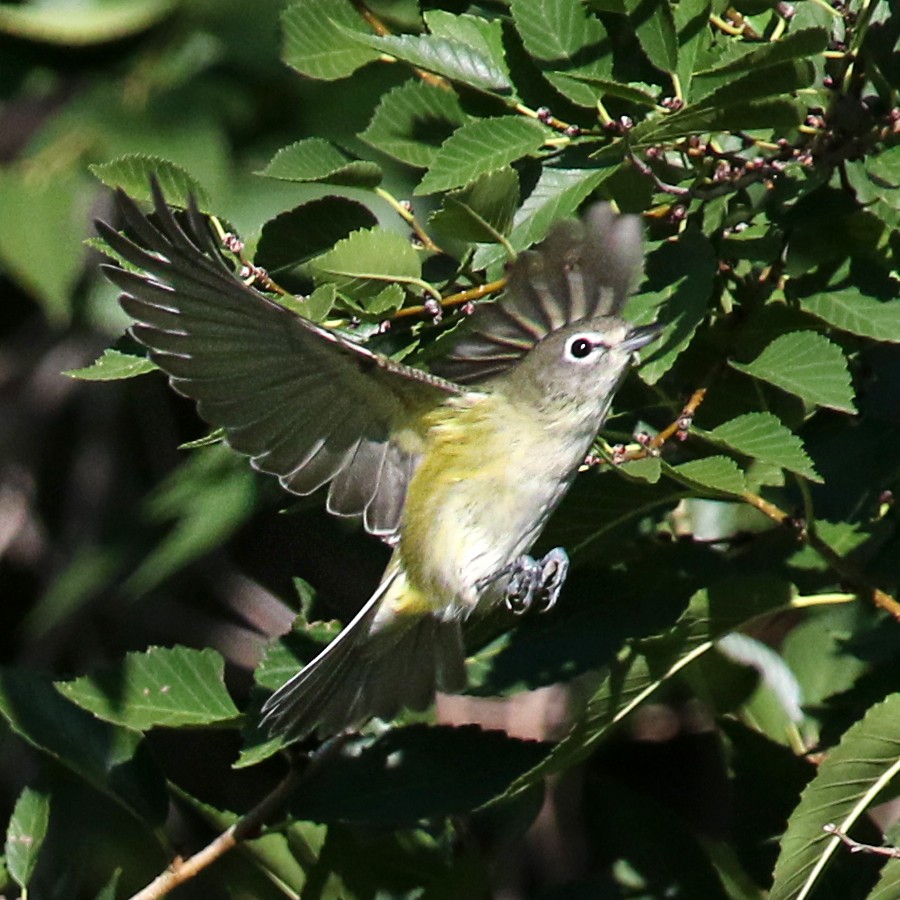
column 412, row 773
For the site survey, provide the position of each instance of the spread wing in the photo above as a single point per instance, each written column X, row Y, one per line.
column 302, row 402
column 583, row 269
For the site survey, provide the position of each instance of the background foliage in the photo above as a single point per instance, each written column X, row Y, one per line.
column 727, row 639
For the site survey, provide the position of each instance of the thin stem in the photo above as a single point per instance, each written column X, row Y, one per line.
column 182, row 870
column 407, row 215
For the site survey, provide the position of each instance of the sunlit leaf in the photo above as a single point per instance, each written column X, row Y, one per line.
column 762, row 436
column 846, row 786
column 159, row 687
column 807, row 364
column 316, row 39
column 314, row 159
column 480, row 147
column 113, row 365
column 851, row 310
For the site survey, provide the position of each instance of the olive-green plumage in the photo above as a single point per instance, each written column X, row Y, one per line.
column 458, row 473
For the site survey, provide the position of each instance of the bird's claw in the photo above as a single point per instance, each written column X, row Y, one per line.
column 536, row 584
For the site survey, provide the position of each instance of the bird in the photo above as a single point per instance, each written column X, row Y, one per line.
column 457, row 468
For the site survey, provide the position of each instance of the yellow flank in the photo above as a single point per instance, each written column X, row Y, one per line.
column 490, row 472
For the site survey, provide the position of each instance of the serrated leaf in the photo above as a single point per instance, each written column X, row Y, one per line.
column 719, row 91
column 318, row 39
column 483, row 36
column 561, row 35
column 113, row 365
column 846, row 785
column 556, row 30
column 132, row 173
column 479, row 147
column 770, row 114
column 413, row 120
column 742, row 57
column 110, row 758
column 654, row 26
column 557, row 194
column 452, row 59
column 806, row 364
column 315, row 159
column 718, row 473
column 82, row 24
column 676, row 292
column 762, row 436
column 25, row 834
column 691, row 18
column 361, row 264
column 296, row 236
column 608, row 88
column 159, row 687
column 850, row 310
column 483, row 211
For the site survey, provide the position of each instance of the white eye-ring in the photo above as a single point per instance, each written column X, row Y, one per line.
column 581, row 346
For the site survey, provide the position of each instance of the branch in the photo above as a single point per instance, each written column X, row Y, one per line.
column 182, row 870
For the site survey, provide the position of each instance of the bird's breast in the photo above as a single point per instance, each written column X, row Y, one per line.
column 489, row 478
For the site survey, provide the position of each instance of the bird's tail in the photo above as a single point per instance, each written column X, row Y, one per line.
column 370, row 669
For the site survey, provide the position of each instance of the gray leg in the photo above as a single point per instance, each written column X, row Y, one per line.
column 534, row 583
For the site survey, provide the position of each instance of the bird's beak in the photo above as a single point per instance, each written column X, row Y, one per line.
column 640, row 337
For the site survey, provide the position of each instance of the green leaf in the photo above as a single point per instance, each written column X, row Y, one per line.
column 557, row 194
column 452, row 59
column 716, row 473
column 361, row 264
column 851, row 310
column 847, row 784
column 769, row 114
column 318, row 39
column 314, row 159
column 744, row 56
column 43, row 224
column 413, row 120
column 691, row 23
column 642, row 669
column 479, row 147
column 568, row 43
column 132, row 173
column 159, row 687
column 25, row 834
column 483, row 211
column 302, row 233
column 677, row 292
column 481, row 35
column 82, row 24
column 634, row 93
column 412, row 773
column 720, row 91
column 111, row 759
column 654, row 26
column 762, row 436
column 556, row 30
column 806, row 364
column 113, row 365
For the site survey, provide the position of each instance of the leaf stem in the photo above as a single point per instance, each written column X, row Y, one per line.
column 407, row 215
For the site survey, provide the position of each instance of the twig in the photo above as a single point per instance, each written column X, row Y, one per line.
column 857, row 846
column 458, row 299
column 182, row 870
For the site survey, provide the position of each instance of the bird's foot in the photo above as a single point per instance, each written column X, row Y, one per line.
column 536, row 584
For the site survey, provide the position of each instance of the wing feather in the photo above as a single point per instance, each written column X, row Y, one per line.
column 304, row 403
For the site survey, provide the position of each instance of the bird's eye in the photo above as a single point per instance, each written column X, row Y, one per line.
column 580, row 348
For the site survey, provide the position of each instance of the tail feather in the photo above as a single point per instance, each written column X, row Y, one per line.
column 364, row 673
